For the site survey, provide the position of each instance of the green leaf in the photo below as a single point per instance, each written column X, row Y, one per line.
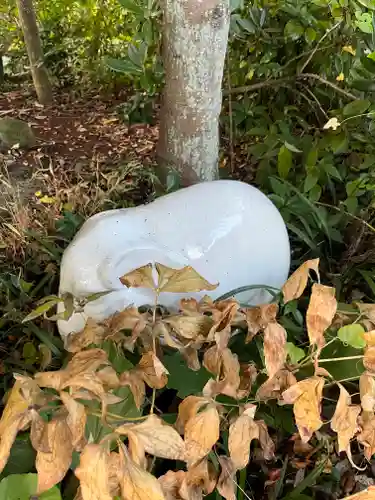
column 24, row 487
column 295, row 353
column 364, row 85
column 22, row 457
column 310, row 34
column 291, row 147
column 122, row 66
column 310, row 480
column 312, row 157
column 352, row 335
column 131, row 6
column 293, row 30
column 310, row 181
column 39, row 311
column 284, row 162
column 356, row 107
column 183, row 379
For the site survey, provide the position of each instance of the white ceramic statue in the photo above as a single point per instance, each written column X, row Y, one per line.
column 228, row 231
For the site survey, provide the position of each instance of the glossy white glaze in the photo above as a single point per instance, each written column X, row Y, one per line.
column 229, row 231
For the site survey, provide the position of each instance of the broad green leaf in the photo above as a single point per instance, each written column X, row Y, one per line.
column 312, row 157
column 352, row 335
column 364, row 85
column 22, row 457
column 284, row 162
column 310, row 181
column 310, row 480
column 295, row 353
column 310, row 34
column 122, row 66
column 292, row 148
column 183, row 379
column 24, row 487
column 356, row 107
column 131, row 6
column 293, row 30
column 39, row 311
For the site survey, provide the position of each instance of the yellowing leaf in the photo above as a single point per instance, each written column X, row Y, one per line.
column 76, row 420
column 93, row 473
column 128, row 319
column 189, row 327
column 241, row 432
column 369, row 355
column 134, row 380
column 306, row 397
column 153, row 371
column 227, row 484
column 201, row 433
column 274, row 348
column 201, row 477
column 156, row 437
column 228, row 380
column 320, row 313
column 136, row 483
column 141, row 277
column 15, row 416
column 93, row 333
column 296, row 284
column 344, row 420
column 349, row 49
column 52, row 466
column 332, row 123
column 181, row 280
column 367, row 391
column 340, row 77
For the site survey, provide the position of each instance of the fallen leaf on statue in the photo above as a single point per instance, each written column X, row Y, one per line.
column 153, row 371
column 274, row 348
column 257, row 319
column 367, row 391
column 344, row 420
column 133, row 379
column 367, row 435
column 76, row 420
column 53, row 465
column 306, row 396
column 187, row 409
column 157, row 438
column 241, row 433
column 274, row 387
column 136, row 483
column 320, row 313
column 142, row 277
column 181, row 280
column 227, row 485
column 201, row 433
column 93, row 473
column 297, row 282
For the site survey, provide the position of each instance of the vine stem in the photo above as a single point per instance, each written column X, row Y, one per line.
column 345, row 358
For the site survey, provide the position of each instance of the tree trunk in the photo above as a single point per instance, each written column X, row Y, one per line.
column 33, row 44
column 195, row 37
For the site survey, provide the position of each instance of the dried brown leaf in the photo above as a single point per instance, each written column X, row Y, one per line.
column 241, row 432
column 187, row 409
column 367, row 435
column 137, row 450
column 201, row 433
column 201, row 476
column 369, row 354
column 157, row 437
column 171, row 484
column 153, row 371
column 142, row 277
column 134, row 380
column 190, row 327
column 15, row 416
column 93, row 473
column 76, row 420
column 248, row 375
column 320, row 313
column 297, row 282
column 190, row 355
column 39, row 433
column 306, row 397
column 274, row 348
column 226, row 484
column 108, row 378
column 266, row 443
column 181, row 280
column 368, row 494
column 212, row 360
column 93, row 333
column 136, row 483
column 367, row 391
column 274, row 387
column 52, row 466
column 128, row 319
column 344, row 420
column 257, row 318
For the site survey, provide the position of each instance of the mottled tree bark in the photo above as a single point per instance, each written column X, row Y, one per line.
column 33, row 44
column 195, row 37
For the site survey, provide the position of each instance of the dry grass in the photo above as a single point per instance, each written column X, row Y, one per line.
column 33, row 203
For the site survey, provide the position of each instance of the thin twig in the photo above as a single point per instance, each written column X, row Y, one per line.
column 317, row 45
column 329, row 84
column 345, row 358
column 313, row 96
